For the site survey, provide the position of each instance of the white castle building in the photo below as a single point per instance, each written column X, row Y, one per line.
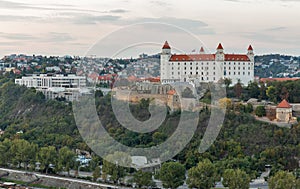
column 70, row 87
column 204, row 67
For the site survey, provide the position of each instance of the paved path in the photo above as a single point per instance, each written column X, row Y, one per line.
column 59, row 178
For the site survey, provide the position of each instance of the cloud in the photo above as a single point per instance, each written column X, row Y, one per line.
column 41, row 37
column 93, row 19
column 16, row 36
column 58, row 37
column 118, row 11
column 7, row 18
column 54, row 7
column 276, row 28
column 194, row 26
column 160, row 3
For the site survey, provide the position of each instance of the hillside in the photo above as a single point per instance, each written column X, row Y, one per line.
column 243, row 142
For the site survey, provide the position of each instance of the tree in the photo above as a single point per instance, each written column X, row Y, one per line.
column 112, row 165
column 236, row 179
column 227, row 82
column 66, row 159
column 187, row 93
column 283, row 180
column 271, row 93
column 47, row 156
column 96, row 173
column 260, row 111
column 225, row 103
column 143, row 179
column 238, row 89
column 202, row 176
column 5, row 152
column 253, row 90
column 23, row 152
column 172, row 174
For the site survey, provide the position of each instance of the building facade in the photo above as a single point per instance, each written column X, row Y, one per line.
column 70, row 87
column 203, row 67
column 284, row 112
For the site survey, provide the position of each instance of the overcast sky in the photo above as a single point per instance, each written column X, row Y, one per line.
column 73, row 26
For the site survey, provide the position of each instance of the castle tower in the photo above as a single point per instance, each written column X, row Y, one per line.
column 164, row 60
column 202, row 51
column 250, row 53
column 220, row 53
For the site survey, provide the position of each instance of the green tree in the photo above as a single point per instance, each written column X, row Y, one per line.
column 115, row 169
column 187, row 93
column 283, row 180
column 47, row 156
column 66, row 159
column 260, row 111
column 172, row 174
column 202, row 176
column 5, row 152
column 23, row 152
column 236, row 179
column 96, row 173
column 238, row 89
column 227, row 82
column 143, row 179
column 271, row 93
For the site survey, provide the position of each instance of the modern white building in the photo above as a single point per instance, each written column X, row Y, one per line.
column 203, row 67
column 70, row 87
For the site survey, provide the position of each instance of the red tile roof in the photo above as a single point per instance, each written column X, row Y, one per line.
column 236, row 57
column 171, row 92
column 166, row 45
column 208, row 57
column 278, row 79
column 250, row 48
column 284, row 104
column 220, row 46
column 192, row 57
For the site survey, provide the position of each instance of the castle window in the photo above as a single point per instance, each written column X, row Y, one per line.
column 224, row 72
column 191, row 73
column 184, row 68
column 178, row 73
column 214, row 73
column 214, row 68
column 239, row 73
column 191, row 64
column 197, row 68
column 243, row 73
column 248, row 73
column 196, row 73
column 214, row 79
column 191, row 68
column 178, row 63
column 185, row 64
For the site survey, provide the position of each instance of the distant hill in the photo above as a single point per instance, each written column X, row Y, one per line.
column 276, row 65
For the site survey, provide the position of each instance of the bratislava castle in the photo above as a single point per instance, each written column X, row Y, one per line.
column 203, row 67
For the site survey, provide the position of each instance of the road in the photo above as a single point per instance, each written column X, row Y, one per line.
column 59, row 178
